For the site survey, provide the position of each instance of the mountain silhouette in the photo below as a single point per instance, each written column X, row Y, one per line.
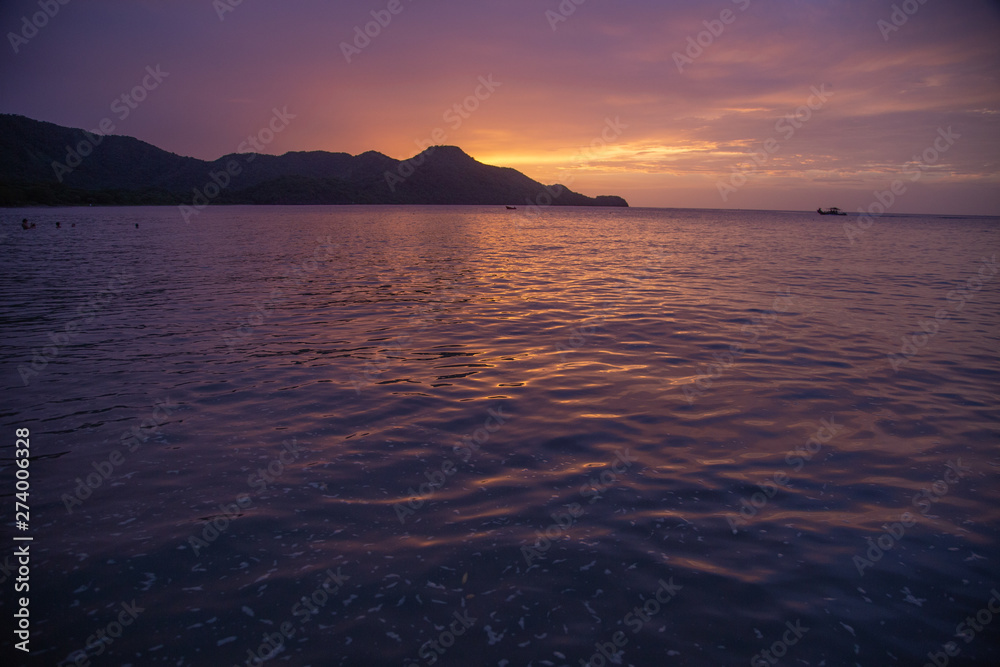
column 44, row 163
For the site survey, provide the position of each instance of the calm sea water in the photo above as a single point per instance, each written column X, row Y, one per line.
column 469, row 436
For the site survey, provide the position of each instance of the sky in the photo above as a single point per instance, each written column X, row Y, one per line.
column 742, row 104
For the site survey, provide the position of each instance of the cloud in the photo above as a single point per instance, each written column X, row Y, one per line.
column 607, row 60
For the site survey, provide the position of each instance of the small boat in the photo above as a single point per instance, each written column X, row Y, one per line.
column 511, row 208
column 833, row 211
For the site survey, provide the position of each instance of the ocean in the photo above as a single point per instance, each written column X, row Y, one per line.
column 464, row 436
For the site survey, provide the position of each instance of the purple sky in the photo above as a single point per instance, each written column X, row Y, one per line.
column 670, row 137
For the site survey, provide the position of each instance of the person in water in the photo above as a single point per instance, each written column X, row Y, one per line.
column 58, row 225
column 24, row 224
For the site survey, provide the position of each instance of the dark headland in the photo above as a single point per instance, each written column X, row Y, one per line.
column 46, row 164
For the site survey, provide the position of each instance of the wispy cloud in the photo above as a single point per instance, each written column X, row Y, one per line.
column 607, row 59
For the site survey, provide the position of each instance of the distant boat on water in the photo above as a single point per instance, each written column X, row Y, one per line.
column 832, row 211
column 511, row 208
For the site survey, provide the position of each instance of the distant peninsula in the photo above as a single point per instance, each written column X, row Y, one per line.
column 43, row 164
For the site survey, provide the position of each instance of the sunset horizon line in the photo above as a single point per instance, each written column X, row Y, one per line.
column 262, row 142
